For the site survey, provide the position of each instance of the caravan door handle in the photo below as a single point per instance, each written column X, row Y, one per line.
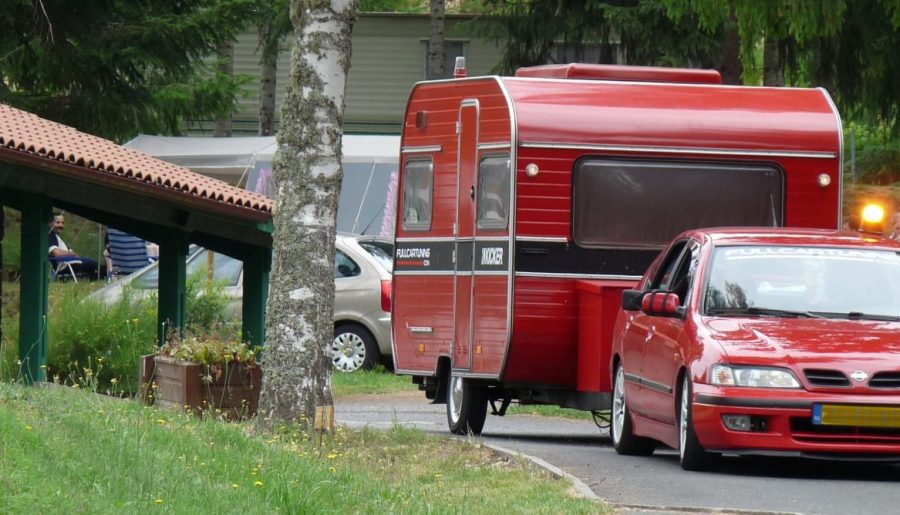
column 472, row 192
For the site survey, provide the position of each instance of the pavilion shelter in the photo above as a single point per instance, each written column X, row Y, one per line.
column 44, row 165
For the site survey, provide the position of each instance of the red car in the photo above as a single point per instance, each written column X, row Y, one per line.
column 780, row 342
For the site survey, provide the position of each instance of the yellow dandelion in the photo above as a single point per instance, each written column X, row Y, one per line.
column 235, row 485
column 28, row 428
column 332, row 456
column 258, row 483
column 158, row 501
column 332, row 469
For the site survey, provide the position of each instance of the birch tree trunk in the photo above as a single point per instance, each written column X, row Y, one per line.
column 297, row 359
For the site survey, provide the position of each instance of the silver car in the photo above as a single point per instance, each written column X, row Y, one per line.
column 362, row 297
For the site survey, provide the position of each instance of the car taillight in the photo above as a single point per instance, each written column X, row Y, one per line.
column 386, row 296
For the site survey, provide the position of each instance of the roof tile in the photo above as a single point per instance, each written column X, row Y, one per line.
column 31, row 134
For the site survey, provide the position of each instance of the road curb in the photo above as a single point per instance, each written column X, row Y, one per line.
column 580, row 486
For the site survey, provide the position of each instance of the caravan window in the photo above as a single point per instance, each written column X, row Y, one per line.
column 644, row 204
column 418, row 190
column 493, row 192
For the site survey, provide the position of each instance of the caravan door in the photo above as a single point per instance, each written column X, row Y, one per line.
column 465, row 235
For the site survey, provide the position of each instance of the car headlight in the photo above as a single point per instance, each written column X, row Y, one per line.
column 758, row 377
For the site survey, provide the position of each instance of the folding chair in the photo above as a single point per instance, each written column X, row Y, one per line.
column 63, row 265
column 128, row 253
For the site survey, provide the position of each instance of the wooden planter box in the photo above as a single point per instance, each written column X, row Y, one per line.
column 232, row 391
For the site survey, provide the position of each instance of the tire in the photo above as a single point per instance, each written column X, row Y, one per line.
column 466, row 405
column 620, row 428
column 353, row 348
column 692, row 455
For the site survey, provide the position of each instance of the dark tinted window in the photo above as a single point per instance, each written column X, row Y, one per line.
column 623, row 203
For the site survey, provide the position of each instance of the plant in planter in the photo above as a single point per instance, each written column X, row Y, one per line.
column 203, row 373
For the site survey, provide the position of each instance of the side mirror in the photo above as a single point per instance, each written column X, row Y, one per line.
column 631, row 300
column 661, row 304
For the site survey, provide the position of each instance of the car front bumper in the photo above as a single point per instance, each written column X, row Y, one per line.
column 784, row 423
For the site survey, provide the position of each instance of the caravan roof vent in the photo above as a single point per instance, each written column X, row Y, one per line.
column 621, row 73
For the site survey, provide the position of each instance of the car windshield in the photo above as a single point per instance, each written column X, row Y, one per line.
column 226, row 270
column 382, row 251
column 804, row 281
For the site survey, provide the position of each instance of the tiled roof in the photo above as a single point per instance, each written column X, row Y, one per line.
column 42, row 139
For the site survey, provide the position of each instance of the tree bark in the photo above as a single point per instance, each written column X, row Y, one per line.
column 436, row 41
column 773, row 63
column 297, row 359
column 267, row 95
column 730, row 65
column 225, row 54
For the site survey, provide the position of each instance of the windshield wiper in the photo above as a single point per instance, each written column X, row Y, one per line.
column 757, row 311
column 859, row 315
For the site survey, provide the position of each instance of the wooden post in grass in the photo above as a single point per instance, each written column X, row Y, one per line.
column 324, row 421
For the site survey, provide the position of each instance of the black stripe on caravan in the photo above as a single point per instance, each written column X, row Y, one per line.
column 569, row 258
column 437, row 256
column 424, row 256
column 538, row 257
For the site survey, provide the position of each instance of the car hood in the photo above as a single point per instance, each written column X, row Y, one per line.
column 806, row 341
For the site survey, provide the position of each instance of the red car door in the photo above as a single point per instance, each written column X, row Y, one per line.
column 638, row 331
column 664, row 352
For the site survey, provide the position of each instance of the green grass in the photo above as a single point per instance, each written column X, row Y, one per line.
column 549, row 411
column 70, row 450
column 373, row 381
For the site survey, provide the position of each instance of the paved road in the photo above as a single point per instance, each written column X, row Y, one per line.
column 655, row 483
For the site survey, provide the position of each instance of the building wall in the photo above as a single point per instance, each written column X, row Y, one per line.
column 388, row 59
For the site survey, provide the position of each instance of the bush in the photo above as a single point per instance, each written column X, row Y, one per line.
column 93, row 343
column 100, row 345
column 206, row 303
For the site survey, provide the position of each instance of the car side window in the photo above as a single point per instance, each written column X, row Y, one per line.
column 669, row 267
column 344, row 266
column 683, row 278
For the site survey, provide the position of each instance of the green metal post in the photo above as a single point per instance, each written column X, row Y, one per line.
column 34, row 293
column 171, row 311
column 257, row 265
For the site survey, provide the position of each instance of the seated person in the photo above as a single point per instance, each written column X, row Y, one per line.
column 59, row 252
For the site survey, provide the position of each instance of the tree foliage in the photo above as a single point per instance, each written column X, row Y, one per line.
column 852, row 48
column 117, row 67
column 535, row 32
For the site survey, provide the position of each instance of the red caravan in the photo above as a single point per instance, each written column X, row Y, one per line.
column 528, row 203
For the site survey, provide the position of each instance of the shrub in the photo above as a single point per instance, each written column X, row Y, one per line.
column 91, row 341
column 206, row 303
column 98, row 344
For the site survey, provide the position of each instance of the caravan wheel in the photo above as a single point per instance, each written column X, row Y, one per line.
column 466, row 405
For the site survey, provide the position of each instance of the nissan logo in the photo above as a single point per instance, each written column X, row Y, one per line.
column 859, row 376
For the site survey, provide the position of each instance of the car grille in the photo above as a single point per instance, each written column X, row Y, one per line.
column 826, row 378
column 885, row 380
column 803, row 430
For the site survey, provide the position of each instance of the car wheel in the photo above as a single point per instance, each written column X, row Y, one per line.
column 466, row 405
column 693, row 456
column 620, row 429
column 353, row 349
